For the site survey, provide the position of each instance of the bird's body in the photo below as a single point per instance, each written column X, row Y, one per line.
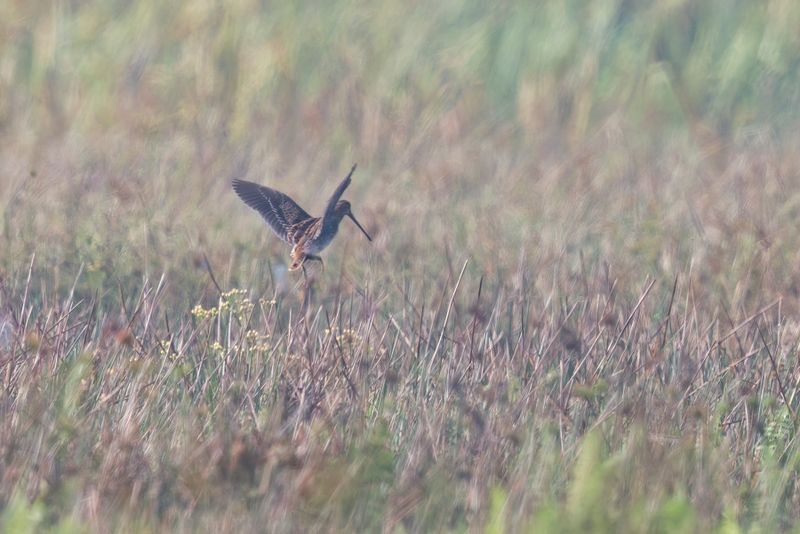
column 308, row 235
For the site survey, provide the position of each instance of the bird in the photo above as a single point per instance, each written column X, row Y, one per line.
column 308, row 235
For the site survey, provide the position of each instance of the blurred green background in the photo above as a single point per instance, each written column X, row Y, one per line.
column 551, row 126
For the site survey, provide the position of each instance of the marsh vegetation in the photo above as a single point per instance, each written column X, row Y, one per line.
column 579, row 311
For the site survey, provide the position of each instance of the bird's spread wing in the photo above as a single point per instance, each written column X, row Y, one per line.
column 280, row 211
column 338, row 193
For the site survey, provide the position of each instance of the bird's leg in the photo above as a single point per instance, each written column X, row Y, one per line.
column 317, row 258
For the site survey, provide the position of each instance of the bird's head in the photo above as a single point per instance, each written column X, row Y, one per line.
column 342, row 209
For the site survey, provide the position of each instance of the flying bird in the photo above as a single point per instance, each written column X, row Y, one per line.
column 308, row 235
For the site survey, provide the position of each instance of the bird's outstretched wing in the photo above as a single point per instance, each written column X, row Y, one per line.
column 338, row 193
column 280, row 211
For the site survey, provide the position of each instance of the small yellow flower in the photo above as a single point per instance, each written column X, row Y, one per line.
column 244, row 307
column 203, row 313
column 349, row 337
column 257, row 341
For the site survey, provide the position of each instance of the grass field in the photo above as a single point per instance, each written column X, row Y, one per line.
column 580, row 311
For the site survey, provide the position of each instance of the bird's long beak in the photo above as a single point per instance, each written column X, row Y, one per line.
column 350, row 214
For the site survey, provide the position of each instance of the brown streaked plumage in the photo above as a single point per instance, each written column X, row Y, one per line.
column 308, row 235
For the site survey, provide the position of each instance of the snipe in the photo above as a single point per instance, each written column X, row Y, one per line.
column 308, row 235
